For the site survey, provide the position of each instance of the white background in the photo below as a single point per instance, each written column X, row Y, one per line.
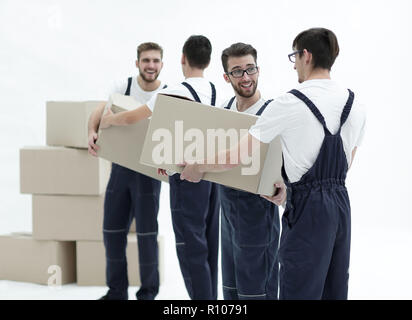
column 73, row 50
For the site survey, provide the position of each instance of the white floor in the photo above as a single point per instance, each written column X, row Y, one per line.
column 381, row 264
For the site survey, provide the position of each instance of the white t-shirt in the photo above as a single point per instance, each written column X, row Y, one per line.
column 200, row 85
column 300, row 131
column 135, row 90
column 253, row 109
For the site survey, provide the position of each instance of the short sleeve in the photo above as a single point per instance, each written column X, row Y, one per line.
column 361, row 134
column 274, row 119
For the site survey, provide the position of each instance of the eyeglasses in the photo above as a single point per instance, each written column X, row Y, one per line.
column 238, row 73
column 292, row 56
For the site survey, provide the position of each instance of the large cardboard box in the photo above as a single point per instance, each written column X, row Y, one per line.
column 191, row 129
column 123, row 144
column 44, row 262
column 91, row 262
column 59, row 170
column 67, row 121
column 69, row 217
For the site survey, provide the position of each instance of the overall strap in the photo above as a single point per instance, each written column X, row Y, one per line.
column 192, row 91
column 263, row 107
column 347, row 108
column 213, row 102
column 129, row 85
column 229, row 105
column 312, row 108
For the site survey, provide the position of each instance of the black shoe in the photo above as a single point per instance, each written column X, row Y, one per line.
column 143, row 294
column 109, row 297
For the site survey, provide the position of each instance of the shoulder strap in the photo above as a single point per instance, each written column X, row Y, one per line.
column 192, row 91
column 213, row 102
column 347, row 108
column 129, row 85
column 312, row 108
column 229, row 105
column 263, row 107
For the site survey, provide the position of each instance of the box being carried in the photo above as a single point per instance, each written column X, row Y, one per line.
column 182, row 129
column 67, row 121
column 123, row 144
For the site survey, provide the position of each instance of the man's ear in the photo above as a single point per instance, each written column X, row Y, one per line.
column 308, row 56
column 226, row 77
column 183, row 60
column 137, row 63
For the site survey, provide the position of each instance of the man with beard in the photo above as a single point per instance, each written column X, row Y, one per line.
column 249, row 223
column 131, row 194
column 194, row 206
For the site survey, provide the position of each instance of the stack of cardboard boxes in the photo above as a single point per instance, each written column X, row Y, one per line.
column 67, row 187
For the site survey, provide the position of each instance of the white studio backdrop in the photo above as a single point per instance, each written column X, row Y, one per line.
column 74, row 50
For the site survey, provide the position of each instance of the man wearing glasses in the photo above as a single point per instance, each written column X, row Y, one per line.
column 249, row 223
column 320, row 124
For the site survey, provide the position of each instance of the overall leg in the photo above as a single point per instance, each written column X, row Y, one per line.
column 190, row 207
column 336, row 285
column 228, row 262
column 145, row 199
column 308, row 237
column 256, row 239
column 116, row 223
column 212, row 236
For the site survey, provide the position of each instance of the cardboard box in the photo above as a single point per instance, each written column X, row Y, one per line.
column 44, row 262
column 66, row 123
column 59, row 170
column 123, row 144
column 69, row 217
column 91, row 262
column 188, row 121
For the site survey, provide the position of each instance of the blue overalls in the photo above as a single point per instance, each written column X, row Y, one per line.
column 250, row 237
column 195, row 217
column 131, row 194
column 315, row 242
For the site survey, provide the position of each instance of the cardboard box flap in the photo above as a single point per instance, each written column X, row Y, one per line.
column 119, row 102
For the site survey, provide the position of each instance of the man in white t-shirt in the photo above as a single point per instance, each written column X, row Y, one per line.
column 320, row 125
column 195, row 207
column 249, row 223
column 130, row 194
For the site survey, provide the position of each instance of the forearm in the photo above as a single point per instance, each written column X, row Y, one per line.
column 231, row 158
column 94, row 119
column 125, row 118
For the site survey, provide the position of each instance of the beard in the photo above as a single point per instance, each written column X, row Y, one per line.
column 242, row 92
column 149, row 79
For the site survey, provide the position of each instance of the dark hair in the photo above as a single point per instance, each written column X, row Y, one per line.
column 146, row 46
column 322, row 43
column 237, row 50
column 197, row 50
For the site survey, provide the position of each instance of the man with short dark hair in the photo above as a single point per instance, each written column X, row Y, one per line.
column 320, row 124
column 195, row 207
column 249, row 223
column 130, row 194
